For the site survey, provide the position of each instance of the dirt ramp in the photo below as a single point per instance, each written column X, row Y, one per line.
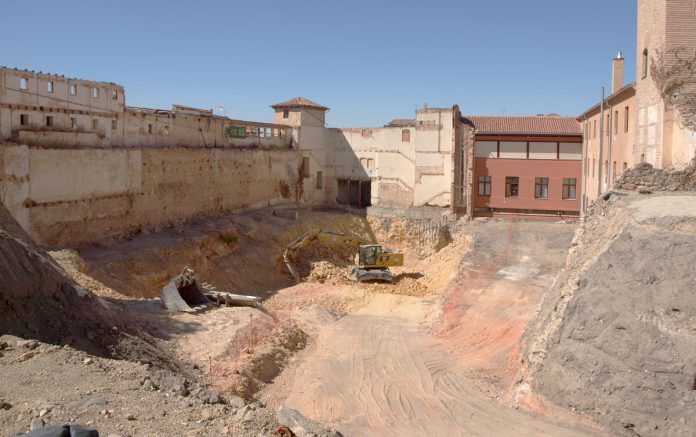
column 38, row 300
column 616, row 336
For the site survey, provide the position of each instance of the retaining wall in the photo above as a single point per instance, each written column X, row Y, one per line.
column 72, row 197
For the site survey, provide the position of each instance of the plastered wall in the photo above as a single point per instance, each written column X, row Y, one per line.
column 70, row 197
column 407, row 166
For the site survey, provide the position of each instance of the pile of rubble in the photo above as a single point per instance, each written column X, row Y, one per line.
column 646, row 178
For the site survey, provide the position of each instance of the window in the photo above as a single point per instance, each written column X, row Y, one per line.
column 286, row 113
column 114, row 95
column 305, row 167
column 593, row 167
column 73, row 89
column 49, row 120
column 49, row 87
column 616, row 122
column 95, row 93
column 95, row 124
column 541, row 188
column 114, row 124
column 594, row 129
column 320, row 180
column 23, row 83
column 645, row 63
column 370, row 163
column 626, row 119
column 23, row 119
column 405, row 136
column 149, row 128
column 512, row 186
column 607, row 127
column 569, row 188
column 367, row 132
column 73, row 122
column 484, row 185
column 165, row 129
column 625, row 165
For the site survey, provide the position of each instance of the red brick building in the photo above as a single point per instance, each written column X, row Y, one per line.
column 526, row 166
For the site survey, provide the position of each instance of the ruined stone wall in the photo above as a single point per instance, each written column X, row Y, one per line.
column 71, row 197
column 644, row 177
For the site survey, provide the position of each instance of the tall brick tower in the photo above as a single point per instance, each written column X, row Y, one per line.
column 664, row 26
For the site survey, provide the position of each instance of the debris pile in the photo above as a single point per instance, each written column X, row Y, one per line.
column 405, row 284
column 324, row 272
column 321, row 262
column 645, row 178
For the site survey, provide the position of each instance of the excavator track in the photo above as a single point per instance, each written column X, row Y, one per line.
column 363, row 275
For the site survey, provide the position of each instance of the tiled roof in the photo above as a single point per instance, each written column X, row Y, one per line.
column 299, row 102
column 522, row 125
column 402, row 122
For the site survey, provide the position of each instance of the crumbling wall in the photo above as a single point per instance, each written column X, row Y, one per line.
column 71, row 197
column 648, row 177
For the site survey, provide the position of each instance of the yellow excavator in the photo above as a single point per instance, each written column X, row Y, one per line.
column 373, row 260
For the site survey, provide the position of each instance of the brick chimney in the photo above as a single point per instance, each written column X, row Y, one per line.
column 617, row 77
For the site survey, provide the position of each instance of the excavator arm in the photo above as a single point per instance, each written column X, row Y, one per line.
column 313, row 235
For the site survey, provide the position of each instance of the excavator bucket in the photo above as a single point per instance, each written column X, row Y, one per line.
column 183, row 294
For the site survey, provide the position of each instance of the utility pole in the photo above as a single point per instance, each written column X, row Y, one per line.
column 601, row 145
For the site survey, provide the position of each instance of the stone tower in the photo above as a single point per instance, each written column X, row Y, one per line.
column 664, row 26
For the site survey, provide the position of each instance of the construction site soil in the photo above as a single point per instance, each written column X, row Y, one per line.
column 476, row 336
column 615, row 336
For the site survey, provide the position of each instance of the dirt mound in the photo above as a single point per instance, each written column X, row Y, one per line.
column 325, row 263
column 615, row 337
column 325, row 272
column 405, row 284
column 416, row 238
column 39, row 300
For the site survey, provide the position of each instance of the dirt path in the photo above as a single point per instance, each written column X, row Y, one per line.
column 495, row 294
column 376, row 372
column 382, row 370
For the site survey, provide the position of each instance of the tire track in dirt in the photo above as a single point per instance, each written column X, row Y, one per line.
column 495, row 294
column 374, row 372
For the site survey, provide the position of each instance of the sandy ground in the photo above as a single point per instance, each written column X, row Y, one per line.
column 402, row 365
column 433, row 354
column 376, row 372
column 495, row 294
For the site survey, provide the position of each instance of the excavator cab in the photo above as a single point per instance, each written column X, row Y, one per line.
column 373, row 256
column 368, row 255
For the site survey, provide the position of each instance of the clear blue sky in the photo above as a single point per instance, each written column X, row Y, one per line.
column 369, row 61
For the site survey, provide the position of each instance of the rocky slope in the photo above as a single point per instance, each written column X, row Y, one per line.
column 615, row 337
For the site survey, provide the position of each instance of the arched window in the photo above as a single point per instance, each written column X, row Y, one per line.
column 645, row 63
